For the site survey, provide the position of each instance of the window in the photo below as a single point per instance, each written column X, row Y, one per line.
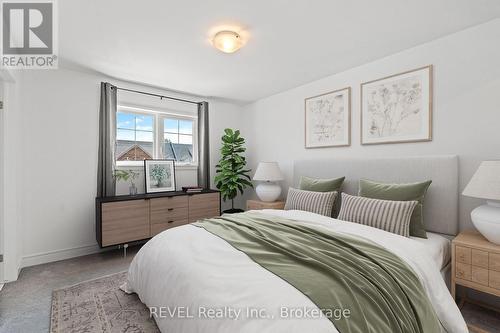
column 134, row 137
column 178, row 139
column 147, row 135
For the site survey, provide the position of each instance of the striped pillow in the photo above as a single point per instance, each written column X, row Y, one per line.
column 388, row 215
column 309, row 201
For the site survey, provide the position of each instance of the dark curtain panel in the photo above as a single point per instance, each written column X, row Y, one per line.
column 203, row 146
column 107, row 141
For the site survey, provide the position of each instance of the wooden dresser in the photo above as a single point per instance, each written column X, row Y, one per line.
column 475, row 263
column 123, row 219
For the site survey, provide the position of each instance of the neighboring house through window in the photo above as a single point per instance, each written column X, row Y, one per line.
column 178, row 139
column 144, row 135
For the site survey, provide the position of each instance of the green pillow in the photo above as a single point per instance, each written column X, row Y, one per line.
column 323, row 185
column 400, row 192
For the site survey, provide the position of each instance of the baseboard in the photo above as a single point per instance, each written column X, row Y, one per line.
column 56, row 255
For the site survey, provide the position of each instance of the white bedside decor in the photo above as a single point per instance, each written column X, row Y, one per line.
column 485, row 184
column 268, row 173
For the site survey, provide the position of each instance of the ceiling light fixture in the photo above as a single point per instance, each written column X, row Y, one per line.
column 227, row 41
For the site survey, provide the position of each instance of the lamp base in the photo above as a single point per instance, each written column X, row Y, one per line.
column 268, row 191
column 486, row 219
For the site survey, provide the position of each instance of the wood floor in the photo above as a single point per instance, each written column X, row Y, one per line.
column 25, row 304
column 480, row 319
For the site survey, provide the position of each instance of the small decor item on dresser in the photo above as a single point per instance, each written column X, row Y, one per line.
column 160, row 175
column 268, row 173
column 127, row 175
column 192, row 189
column 231, row 175
column 485, row 184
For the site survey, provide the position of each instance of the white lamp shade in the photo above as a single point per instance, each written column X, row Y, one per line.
column 485, row 183
column 268, row 171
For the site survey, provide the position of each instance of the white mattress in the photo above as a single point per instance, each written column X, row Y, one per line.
column 439, row 248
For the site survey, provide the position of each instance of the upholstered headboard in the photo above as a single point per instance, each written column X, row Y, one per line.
column 441, row 202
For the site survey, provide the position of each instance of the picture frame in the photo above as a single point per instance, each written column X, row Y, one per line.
column 327, row 119
column 397, row 108
column 159, row 175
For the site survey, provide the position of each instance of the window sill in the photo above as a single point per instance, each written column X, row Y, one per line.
column 140, row 164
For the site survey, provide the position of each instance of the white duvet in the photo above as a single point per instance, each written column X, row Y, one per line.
column 197, row 282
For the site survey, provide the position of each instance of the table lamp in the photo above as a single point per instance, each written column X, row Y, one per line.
column 268, row 173
column 485, row 184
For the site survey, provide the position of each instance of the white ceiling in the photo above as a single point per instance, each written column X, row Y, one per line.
column 166, row 43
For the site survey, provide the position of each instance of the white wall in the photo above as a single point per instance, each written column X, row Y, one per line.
column 228, row 116
column 11, row 205
column 466, row 108
column 2, row 232
column 55, row 158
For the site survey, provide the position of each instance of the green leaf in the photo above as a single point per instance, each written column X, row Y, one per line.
column 231, row 175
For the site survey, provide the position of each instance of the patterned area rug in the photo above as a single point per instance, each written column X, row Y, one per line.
column 99, row 306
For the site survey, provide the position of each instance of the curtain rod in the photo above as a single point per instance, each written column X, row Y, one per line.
column 156, row 95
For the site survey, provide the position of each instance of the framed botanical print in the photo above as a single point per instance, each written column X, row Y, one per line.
column 328, row 119
column 160, row 175
column 397, row 108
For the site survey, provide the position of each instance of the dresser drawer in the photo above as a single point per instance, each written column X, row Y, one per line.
column 463, row 254
column 479, row 275
column 125, row 235
column 157, row 228
column 168, row 202
column 124, row 214
column 480, row 258
column 124, row 221
column 494, row 261
column 494, row 280
column 463, row 271
column 165, row 215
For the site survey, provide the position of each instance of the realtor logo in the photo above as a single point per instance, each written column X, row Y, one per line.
column 28, row 35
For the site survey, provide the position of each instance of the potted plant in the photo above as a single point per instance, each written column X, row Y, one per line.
column 231, row 175
column 127, row 175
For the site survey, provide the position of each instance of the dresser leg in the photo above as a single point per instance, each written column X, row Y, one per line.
column 453, row 289
column 125, row 246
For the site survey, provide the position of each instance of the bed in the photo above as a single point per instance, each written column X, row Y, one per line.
column 199, row 282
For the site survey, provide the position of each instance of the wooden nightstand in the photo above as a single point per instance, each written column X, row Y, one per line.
column 475, row 263
column 257, row 204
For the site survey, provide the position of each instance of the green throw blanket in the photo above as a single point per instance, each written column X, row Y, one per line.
column 336, row 271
